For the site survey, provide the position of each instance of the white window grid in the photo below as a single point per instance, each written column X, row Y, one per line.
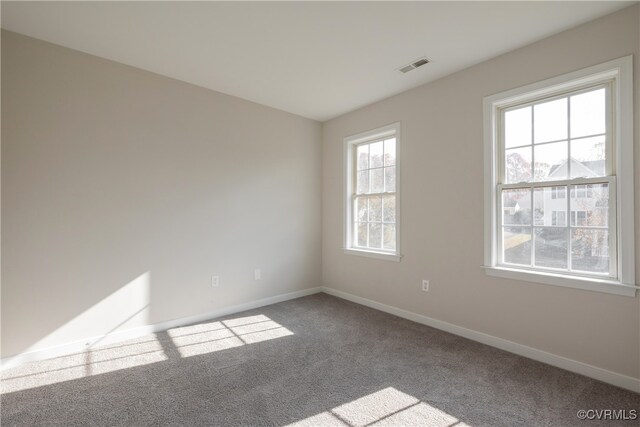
column 368, row 196
column 351, row 194
column 570, row 184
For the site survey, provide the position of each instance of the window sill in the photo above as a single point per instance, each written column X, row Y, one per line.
column 585, row 283
column 372, row 254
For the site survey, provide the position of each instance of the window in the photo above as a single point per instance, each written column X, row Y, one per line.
column 579, row 218
column 558, row 193
column 558, row 218
column 569, row 135
column 372, row 202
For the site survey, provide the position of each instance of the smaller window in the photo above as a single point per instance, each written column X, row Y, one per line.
column 579, row 218
column 558, row 192
column 371, row 196
column 558, row 218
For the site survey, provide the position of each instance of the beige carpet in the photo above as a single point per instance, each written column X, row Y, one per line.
column 315, row 361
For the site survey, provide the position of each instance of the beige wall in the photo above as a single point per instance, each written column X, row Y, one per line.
column 442, row 209
column 123, row 192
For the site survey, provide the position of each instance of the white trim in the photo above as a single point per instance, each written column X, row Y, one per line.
column 624, row 171
column 373, row 254
column 381, row 132
column 544, row 88
column 119, row 336
column 600, row 374
column 569, row 281
column 392, row 129
column 490, row 215
column 618, row 71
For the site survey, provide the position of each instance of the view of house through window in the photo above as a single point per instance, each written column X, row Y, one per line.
column 556, row 182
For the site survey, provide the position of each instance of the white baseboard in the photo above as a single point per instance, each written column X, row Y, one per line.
column 119, row 336
column 581, row 368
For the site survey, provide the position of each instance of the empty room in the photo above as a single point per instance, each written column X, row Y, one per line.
column 320, row 213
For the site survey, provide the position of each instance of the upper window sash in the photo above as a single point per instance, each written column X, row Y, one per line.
column 608, row 134
column 355, row 170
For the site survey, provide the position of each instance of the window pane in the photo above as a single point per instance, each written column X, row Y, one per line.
column 516, row 207
column 579, row 191
column 590, row 250
column 588, row 157
column 375, row 209
column 551, row 246
column 389, row 209
column 518, row 165
column 517, row 127
column 362, row 209
column 550, row 206
column 363, row 156
column 550, row 121
column 390, row 152
column 588, row 113
column 551, row 161
column 377, row 180
column 362, row 234
column 590, row 205
column 375, row 152
column 390, row 179
column 375, row 236
column 389, row 236
column 516, row 245
column 363, row 182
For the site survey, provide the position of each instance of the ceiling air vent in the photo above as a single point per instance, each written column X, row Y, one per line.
column 415, row 64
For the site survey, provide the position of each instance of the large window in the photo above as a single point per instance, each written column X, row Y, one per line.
column 564, row 137
column 371, row 184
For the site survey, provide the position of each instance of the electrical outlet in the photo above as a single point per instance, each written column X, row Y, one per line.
column 215, row 281
column 425, row 285
column 257, row 274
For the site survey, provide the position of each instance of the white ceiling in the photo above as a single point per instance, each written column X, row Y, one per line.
column 317, row 60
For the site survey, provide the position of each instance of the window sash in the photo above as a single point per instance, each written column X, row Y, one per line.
column 571, row 185
column 382, row 222
column 354, row 164
column 609, row 130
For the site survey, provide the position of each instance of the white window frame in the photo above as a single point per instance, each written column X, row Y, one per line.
column 619, row 73
column 349, row 168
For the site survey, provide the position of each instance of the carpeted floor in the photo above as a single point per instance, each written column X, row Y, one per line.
column 313, row 361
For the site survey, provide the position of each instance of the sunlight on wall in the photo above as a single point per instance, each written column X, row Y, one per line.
column 216, row 336
column 126, row 308
column 387, row 407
